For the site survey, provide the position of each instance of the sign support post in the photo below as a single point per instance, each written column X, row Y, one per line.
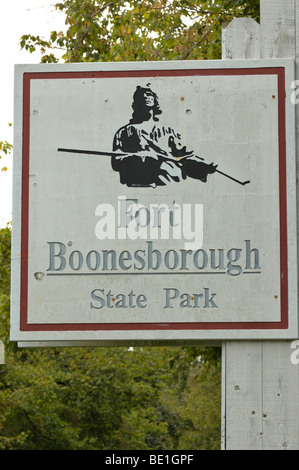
column 261, row 378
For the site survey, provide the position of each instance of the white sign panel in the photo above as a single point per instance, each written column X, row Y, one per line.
column 154, row 202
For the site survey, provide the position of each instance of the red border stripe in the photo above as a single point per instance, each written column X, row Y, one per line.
column 283, row 324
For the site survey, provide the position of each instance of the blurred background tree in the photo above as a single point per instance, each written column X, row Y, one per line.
column 131, row 30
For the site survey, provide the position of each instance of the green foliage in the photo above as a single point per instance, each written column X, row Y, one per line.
column 6, row 148
column 119, row 30
column 203, row 394
column 5, row 236
column 83, row 399
column 93, row 399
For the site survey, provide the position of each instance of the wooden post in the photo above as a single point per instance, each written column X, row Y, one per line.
column 260, row 382
column 241, row 40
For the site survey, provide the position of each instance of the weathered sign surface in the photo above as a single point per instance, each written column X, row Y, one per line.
column 154, row 202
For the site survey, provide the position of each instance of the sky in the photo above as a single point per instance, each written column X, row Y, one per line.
column 18, row 17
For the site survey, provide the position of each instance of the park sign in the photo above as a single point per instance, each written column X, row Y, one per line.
column 154, row 202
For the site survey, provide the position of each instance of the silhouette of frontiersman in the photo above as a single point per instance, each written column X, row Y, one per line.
column 153, row 154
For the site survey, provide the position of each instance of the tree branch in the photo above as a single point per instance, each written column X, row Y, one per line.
column 200, row 41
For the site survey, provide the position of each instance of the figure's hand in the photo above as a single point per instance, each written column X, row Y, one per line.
column 212, row 168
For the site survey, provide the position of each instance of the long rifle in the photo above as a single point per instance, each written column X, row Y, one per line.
column 115, row 154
